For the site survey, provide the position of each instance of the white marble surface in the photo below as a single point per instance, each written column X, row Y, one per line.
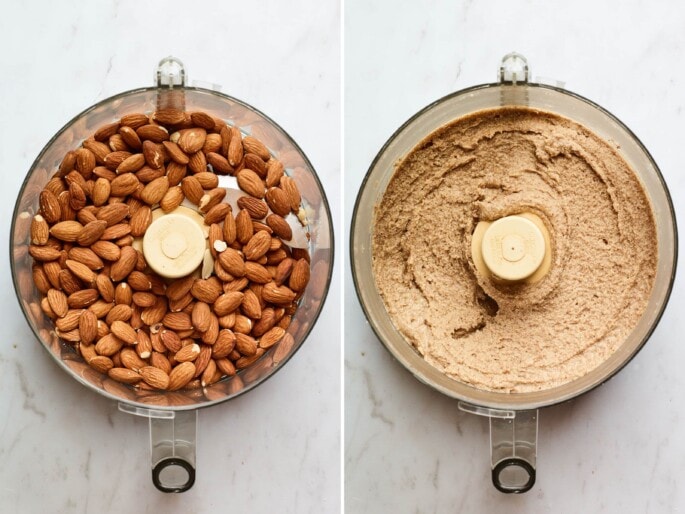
column 618, row 449
column 65, row 449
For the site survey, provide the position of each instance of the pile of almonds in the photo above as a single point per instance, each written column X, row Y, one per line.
column 123, row 318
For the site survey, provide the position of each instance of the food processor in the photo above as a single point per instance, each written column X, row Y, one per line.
column 513, row 417
column 173, row 414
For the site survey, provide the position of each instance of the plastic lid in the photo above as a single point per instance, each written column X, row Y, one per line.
column 174, row 245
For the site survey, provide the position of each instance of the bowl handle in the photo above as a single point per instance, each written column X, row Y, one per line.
column 513, row 446
column 172, row 447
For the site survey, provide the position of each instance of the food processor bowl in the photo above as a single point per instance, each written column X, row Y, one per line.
column 513, row 416
column 173, row 415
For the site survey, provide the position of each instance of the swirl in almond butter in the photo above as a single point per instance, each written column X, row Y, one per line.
column 492, row 164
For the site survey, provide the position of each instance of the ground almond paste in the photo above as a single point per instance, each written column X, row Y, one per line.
column 491, row 164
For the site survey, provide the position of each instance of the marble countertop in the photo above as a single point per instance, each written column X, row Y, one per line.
column 65, row 449
column 618, row 449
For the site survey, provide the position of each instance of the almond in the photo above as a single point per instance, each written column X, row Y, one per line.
column 207, row 290
column 257, row 273
column 134, row 120
column 265, row 323
column 280, row 227
column 235, row 147
column 58, row 302
column 147, row 174
column 155, row 133
column 271, row 337
column 139, row 281
column 91, row 232
column 274, row 172
column 211, row 199
column 283, row 270
column 197, row 162
column 299, row 276
column 86, row 256
column 69, row 282
column 44, row 253
column 245, row 344
column 101, row 191
column 114, row 159
column 123, row 294
column 290, row 188
column 49, row 206
column 207, row 180
column 83, row 298
column 175, row 152
column 101, row 363
column 124, row 185
column 169, row 116
column 280, row 295
column 144, row 299
column 124, row 375
column 156, row 313
column 181, row 375
column 85, row 162
column 219, row 163
column 202, row 119
column 228, row 302
column 81, row 271
column 232, row 261
column 192, row 140
column 188, row 353
column 250, row 305
column 229, row 228
column 113, row 213
column 203, row 360
column 257, row 246
column 132, row 163
column 243, row 226
column 155, row 190
column 130, row 137
column 140, row 221
column 177, row 321
column 212, row 333
column 172, row 199
column 278, row 201
column 179, row 288
column 192, row 189
column 124, row 265
column 108, row 345
column 255, row 163
column 224, row 344
column 153, row 154
column 257, row 208
column 105, row 287
column 106, row 250
column 171, row 340
column 40, row 279
column 120, row 312
column 226, row 367
column 155, row 377
column 66, row 230
column 88, row 327
column 201, row 316
column 255, row 146
column 40, row 231
column 213, row 143
column 77, row 196
column 251, row 183
column 124, row 331
column 106, row 131
column 116, row 232
column 217, row 213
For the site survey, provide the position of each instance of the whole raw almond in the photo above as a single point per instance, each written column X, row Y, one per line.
column 274, row 172
column 197, row 162
column 81, row 271
column 155, row 190
column 271, row 337
column 169, row 116
column 250, row 305
column 201, row 316
column 40, row 279
column 265, row 323
column 40, row 231
column 278, row 201
column 114, row 159
column 280, row 295
column 49, row 206
column 180, row 375
column 188, row 353
column 85, row 162
column 144, row 299
column 171, row 340
column 243, row 226
column 233, row 262
column 251, row 183
column 245, row 344
column 153, row 154
column 219, row 163
column 108, row 345
column 100, row 363
column 235, row 147
column 280, row 227
column 130, row 137
column 257, row 246
column 86, row 256
column 139, row 281
column 155, row 133
column 257, row 273
column 133, row 162
column 69, row 282
column 124, row 331
column 77, row 196
column 290, row 188
column 228, row 302
column 175, row 153
column 224, row 344
column 134, row 120
column 105, row 131
column 217, row 213
column 116, row 232
column 124, row 184
column 192, row 140
column 211, row 198
column 255, row 146
column 106, row 250
column 257, row 208
column 44, row 253
column 101, row 191
column 177, row 321
column 207, row 290
column 124, row 265
column 113, row 213
column 229, row 228
column 192, row 189
column 179, row 288
column 58, row 302
column 172, row 199
column 202, row 119
column 207, row 180
column 88, row 326
column 124, row 375
column 147, row 174
column 156, row 313
column 155, row 377
column 140, row 221
column 255, row 163
column 66, row 230
column 299, row 276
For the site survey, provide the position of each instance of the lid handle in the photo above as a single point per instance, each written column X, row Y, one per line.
column 513, row 69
